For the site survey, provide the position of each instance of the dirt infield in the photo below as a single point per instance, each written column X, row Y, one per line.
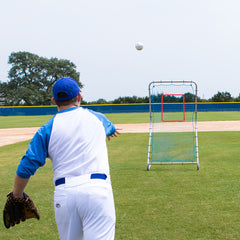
column 14, row 135
column 210, row 126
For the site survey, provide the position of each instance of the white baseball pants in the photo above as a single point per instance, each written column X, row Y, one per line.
column 84, row 209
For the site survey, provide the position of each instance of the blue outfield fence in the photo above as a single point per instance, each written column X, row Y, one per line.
column 117, row 108
column 27, row 111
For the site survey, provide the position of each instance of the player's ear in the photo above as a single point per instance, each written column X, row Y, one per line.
column 53, row 101
column 79, row 97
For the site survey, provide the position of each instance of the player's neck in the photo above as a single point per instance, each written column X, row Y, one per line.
column 61, row 108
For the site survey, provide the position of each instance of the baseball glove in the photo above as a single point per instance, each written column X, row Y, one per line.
column 18, row 209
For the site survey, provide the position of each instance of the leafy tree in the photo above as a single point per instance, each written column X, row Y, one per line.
column 100, row 101
column 156, row 98
column 189, row 97
column 237, row 99
column 133, row 99
column 31, row 78
column 222, row 97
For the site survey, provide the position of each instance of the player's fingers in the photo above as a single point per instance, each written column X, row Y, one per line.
column 118, row 131
column 115, row 134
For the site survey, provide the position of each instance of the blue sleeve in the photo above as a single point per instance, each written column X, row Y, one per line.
column 109, row 127
column 37, row 152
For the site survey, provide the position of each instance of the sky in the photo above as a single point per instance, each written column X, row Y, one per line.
column 194, row 40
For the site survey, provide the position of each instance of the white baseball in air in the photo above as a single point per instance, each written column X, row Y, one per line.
column 139, row 46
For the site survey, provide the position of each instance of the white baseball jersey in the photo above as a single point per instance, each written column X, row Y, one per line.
column 77, row 144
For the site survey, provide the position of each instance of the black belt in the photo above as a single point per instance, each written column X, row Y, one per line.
column 92, row 176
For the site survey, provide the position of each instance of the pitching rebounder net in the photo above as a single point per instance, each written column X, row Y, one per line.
column 173, row 123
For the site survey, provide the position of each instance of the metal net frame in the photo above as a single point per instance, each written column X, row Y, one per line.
column 173, row 137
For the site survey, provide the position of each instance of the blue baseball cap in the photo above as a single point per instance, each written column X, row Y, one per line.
column 65, row 89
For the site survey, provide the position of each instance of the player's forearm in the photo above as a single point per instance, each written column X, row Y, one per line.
column 19, row 185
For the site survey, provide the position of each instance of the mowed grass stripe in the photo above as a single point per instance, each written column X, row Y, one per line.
column 117, row 118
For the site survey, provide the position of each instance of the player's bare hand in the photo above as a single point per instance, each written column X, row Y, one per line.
column 114, row 134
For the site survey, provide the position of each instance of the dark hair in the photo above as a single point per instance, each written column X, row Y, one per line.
column 66, row 102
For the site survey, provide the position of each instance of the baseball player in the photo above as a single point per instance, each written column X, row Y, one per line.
column 75, row 141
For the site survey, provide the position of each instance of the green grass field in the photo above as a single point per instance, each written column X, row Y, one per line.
column 37, row 121
column 168, row 202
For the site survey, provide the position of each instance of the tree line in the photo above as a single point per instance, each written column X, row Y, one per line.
column 30, row 81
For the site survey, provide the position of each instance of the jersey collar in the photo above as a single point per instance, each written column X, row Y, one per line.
column 67, row 110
